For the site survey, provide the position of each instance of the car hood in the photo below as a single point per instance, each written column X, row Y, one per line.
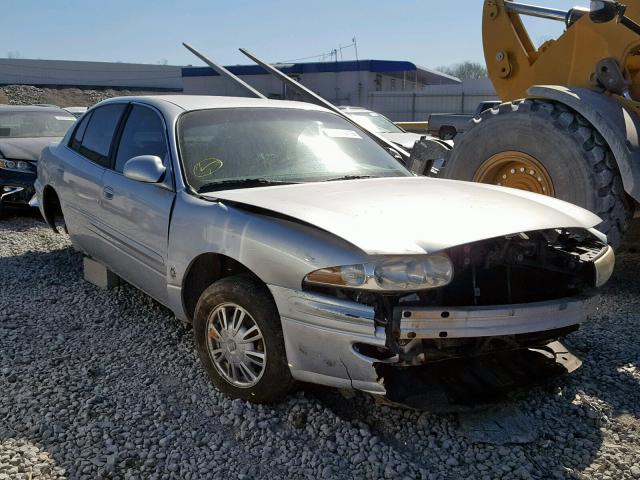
column 25, row 148
column 412, row 215
column 405, row 139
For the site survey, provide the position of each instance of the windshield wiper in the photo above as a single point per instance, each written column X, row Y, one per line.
column 349, row 177
column 240, row 183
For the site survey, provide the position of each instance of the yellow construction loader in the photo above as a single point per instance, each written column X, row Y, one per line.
column 570, row 122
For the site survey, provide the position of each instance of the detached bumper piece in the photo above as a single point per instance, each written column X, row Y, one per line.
column 462, row 383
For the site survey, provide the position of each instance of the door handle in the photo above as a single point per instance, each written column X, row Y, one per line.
column 107, row 192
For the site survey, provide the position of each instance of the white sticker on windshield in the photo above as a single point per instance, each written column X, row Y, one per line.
column 65, row 118
column 340, row 133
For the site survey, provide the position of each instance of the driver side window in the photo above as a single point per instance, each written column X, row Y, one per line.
column 143, row 134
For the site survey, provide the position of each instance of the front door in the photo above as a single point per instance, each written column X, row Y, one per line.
column 136, row 214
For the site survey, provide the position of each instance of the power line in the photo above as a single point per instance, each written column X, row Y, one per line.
column 331, row 53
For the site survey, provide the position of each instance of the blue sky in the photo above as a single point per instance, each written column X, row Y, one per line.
column 428, row 32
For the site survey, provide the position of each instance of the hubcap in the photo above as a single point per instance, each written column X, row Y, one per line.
column 516, row 170
column 236, row 346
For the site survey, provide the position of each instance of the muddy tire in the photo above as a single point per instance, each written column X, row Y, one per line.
column 238, row 335
column 578, row 161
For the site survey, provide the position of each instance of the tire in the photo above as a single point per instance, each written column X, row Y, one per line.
column 60, row 222
column 274, row 381
column 579, row 162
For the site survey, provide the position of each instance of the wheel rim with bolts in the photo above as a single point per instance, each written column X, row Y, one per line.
column 516, row 170
column 236, row 345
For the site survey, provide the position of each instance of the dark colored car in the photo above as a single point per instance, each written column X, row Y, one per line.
column 24, row 132
column 447, row 125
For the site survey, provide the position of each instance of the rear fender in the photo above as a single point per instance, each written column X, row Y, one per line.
column 618, row 125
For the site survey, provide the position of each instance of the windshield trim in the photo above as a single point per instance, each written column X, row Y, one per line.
column 180, row 163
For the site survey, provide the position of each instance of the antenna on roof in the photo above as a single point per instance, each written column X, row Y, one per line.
column 321, row 101
column 224, row 72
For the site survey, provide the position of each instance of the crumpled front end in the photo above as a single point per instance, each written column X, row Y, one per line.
column 516, row 293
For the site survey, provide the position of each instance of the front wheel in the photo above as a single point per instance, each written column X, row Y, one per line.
column 239, row 339
column 546, row 148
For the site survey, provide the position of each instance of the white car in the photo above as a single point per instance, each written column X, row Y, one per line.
column 76, row 111
column 378, row 123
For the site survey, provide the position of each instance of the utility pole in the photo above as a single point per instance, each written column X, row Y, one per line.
column 355, row 46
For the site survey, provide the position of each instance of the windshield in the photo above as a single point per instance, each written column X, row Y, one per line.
column 374, row 122
column 276, row 145
column 35, row 124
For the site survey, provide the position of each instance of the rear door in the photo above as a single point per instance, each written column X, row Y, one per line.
column 80, row 176
column 137, row 214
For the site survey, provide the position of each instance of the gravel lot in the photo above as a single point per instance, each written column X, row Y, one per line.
column 63, row 96
column 106, row 384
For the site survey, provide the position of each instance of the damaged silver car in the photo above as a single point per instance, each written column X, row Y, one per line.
column 302, row 250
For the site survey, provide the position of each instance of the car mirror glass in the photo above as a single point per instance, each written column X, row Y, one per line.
column 144, row 168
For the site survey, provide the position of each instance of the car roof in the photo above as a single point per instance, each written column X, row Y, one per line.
column 348, row 109
column 31, row 108
column 200, row 102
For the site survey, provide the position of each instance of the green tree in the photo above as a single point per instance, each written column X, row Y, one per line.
column 465, row 70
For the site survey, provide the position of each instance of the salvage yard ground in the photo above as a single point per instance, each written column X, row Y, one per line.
column 106, row 384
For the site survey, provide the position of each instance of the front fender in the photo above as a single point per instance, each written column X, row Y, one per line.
column 618, row 125
column 277, row 250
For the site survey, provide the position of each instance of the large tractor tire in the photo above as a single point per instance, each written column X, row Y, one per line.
column 544, row 147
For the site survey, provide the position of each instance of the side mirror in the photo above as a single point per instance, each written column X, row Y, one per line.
column 603, row 11
column 144, row 168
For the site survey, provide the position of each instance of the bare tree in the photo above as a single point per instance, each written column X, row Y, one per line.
column 163, row 61
column 14, row 54
column 465, row 70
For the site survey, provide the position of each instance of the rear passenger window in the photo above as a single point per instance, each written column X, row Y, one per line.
column 143, row 134
column 100, row 129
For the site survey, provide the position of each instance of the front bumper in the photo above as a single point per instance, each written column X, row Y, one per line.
column 17, row 189
column 324, row 335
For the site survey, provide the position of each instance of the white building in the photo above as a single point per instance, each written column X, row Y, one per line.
column 342, row 83
column 400, row 90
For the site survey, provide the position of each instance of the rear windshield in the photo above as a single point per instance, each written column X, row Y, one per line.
column 35, row 124
column 277, row 145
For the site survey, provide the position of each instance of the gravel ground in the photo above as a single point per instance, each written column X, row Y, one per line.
column 106, row 384
column 63, row 96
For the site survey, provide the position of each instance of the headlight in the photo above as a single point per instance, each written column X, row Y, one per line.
column 389, row 274
column 604, row 266
column 15, row 165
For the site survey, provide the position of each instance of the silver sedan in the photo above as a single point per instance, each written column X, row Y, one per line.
column 302, row 250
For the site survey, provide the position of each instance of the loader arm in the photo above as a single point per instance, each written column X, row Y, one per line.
column 569, row 123
column 515, row 64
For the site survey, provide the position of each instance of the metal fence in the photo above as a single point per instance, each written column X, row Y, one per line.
column 416, row 106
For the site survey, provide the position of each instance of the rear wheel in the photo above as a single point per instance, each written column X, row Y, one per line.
column 546, row 148
column 239, row 339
